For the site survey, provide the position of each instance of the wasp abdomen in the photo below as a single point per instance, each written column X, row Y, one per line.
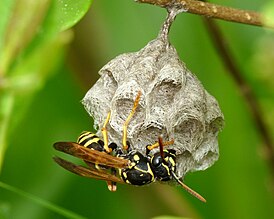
column 90, row 140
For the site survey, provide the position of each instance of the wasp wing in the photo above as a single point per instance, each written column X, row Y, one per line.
column 90, row 155
column 87, row 172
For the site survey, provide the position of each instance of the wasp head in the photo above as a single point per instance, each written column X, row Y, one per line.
column 163, row 165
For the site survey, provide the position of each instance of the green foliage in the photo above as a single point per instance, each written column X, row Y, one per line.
column 4, row 208
column 70, row 12
column 28, row 37
column 40, row 104
column 31, row 48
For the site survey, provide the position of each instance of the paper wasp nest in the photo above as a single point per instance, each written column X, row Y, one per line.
column 173, row 104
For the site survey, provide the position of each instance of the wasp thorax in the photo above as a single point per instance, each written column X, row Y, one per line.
column 139, row 171
column 173, row 104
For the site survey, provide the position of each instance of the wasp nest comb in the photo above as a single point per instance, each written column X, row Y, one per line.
column 173, row 104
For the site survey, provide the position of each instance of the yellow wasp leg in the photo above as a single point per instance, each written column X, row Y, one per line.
column 135, row 105
column 111, row 185
column 104, row 133
column 155, row 145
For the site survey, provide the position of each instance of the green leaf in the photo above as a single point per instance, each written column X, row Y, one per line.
column 62, row 211
column 71, row 11
column 25, row 63
column 6, row 108
column 33, row 72
column 19, row 32
column 5, row 13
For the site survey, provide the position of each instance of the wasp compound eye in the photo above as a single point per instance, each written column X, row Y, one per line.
column 157, row 160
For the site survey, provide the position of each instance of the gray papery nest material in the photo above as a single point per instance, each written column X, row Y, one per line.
column 173, row 104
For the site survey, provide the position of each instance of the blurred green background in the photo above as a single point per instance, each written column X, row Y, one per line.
column 47, row 74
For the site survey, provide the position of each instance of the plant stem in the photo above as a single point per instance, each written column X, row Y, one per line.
column 6, row 107
column 44, row 203
column 212, row 11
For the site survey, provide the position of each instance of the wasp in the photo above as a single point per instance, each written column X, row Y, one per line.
column 114, row 165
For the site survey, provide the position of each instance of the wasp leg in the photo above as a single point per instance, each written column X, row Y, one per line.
column 105, row 135
column 156, row 145
column 135, row 105
column 111, row 185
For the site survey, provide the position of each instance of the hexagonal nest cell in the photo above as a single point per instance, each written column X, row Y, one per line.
column 173, row 104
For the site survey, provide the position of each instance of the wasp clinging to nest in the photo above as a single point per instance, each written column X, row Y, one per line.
column 114, row 165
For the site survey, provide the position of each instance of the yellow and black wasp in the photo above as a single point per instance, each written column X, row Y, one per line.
column 109, row 163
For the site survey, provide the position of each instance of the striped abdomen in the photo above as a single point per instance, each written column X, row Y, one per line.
column 90, row 140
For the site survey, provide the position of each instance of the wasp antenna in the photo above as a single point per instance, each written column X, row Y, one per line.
column 161, row 146
column 188, row 189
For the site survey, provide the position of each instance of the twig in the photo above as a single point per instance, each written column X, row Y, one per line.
column 212, row 11
column 232, row 67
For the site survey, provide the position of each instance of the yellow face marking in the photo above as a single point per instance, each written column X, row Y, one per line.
column 167, row 169
column 172, row 161
column 151, row 173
